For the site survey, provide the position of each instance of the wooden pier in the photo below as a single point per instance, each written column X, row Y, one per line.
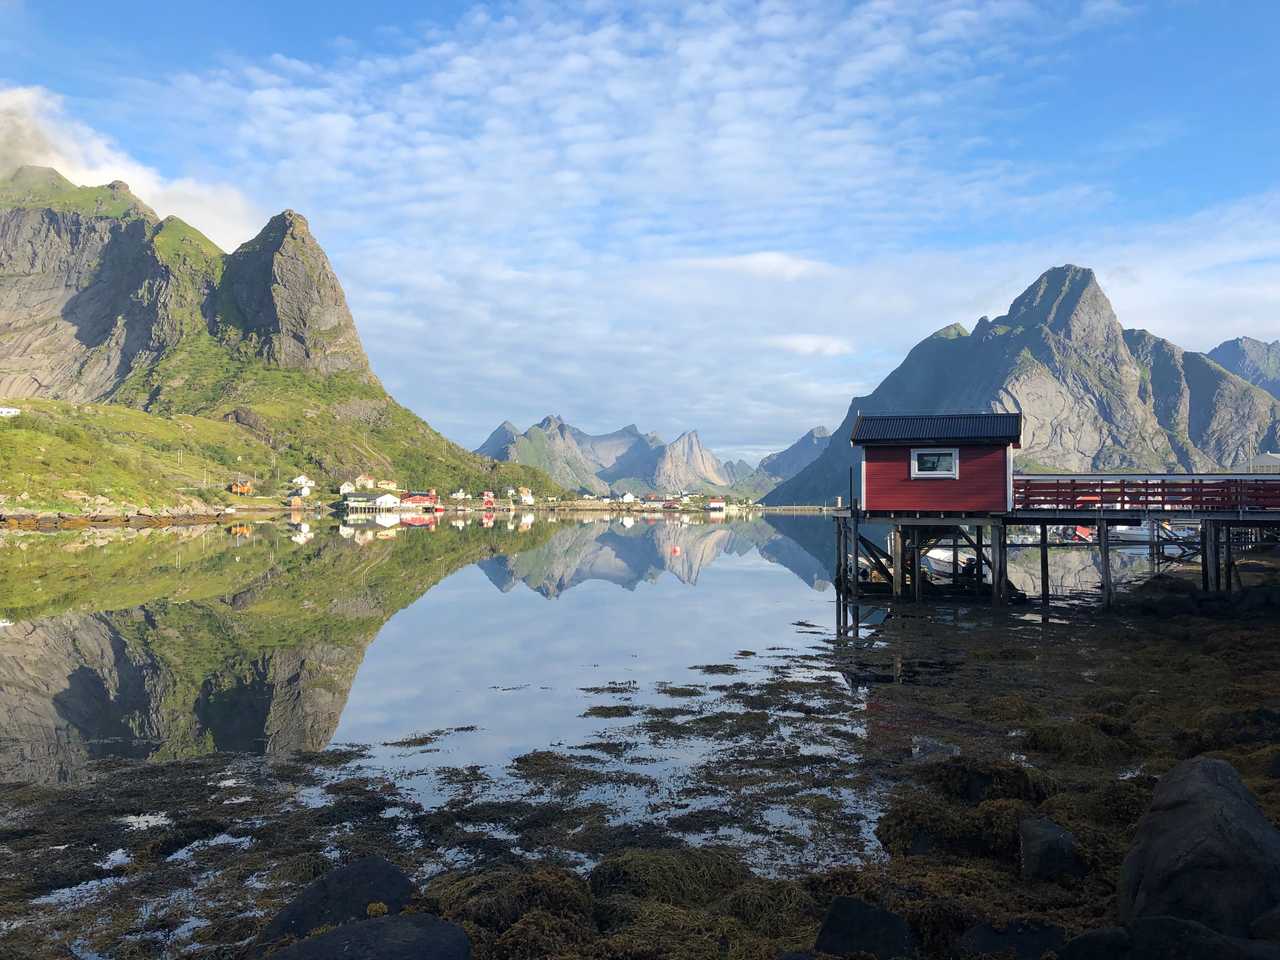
column 1229, row 510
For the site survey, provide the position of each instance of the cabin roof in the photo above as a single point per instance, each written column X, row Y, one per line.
column 891, row 429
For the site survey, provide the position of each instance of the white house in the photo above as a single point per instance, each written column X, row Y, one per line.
column 388, row 485
column 1264, row 463
column 526, row 497
column 628, row 498
column 302, row 480
column 459, row 494
column 346, row 487
column 388, row 501
column 302, row 491
column 364, row 482
column 9, row 411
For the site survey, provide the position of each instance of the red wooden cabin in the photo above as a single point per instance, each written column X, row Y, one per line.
column 938, row 463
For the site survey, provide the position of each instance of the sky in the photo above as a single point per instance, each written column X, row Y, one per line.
column 724, row 216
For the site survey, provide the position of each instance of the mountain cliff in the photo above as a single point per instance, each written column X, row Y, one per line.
column 101, row 300
column 785, row 464
column 624, row 460
column 1093, row 395
column 1251, row 360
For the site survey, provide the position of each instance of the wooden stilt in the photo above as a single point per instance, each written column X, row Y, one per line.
column 856, row 538
column 895, row 540
column 955, row 556
column 1229, row 553
column 1044, row 564
column 917, row 561
column 1104, row 545
column 1204, row 555
column 995, row 566
column 982, row 557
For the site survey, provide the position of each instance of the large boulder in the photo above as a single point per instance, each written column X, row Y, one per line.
column 1204, row 851
column 1021, row 940
column 342, row 895
column 855, row 926
column 1047, row 851
column 410, row 936
column 1165, row 938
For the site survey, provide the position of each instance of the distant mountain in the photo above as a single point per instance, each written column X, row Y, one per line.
column 101, row 300
column 1094, row 395
column 1251, row 360
column 622, row 461
column 787, row 463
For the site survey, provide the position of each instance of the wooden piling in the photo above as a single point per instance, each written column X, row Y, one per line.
column 982, row 557
column 1104, row 545
column 1044, row 564
column 1229, row 554
column 895, row 544
column 917, row 561
column 856, row 537
column 1204, row 555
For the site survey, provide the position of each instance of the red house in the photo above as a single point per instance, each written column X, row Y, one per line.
column 954, row 463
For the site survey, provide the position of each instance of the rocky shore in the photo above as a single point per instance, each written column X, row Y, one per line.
column 1081, row 786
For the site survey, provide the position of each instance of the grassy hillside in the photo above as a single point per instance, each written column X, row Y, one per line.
column 206, row 359
column 83, row 457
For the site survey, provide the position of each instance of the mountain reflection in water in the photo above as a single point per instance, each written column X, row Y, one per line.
column 169, row 643
column 163, row 644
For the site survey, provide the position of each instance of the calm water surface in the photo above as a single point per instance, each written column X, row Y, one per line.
column 659, row 669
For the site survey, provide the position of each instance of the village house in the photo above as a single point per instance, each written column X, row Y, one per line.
column 9, row 411
column 388, row 485
column 365, row 482
column 418, row 499
column 367, row 503
column 715, row 505
column 242, row 488
column 459, row 494
column 302, row 480
column 347, row 486
column 487, row 500
column 628, row 498
column 938, row 463
column 526, row 496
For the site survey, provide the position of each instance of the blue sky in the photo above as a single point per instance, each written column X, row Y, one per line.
column 727, row 216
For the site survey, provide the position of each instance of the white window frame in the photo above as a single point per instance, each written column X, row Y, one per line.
column 952, row 474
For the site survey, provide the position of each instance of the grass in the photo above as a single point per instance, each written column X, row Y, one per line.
column 61, row 456
column 41, row 187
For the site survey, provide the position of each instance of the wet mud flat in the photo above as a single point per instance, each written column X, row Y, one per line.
column 716, row 818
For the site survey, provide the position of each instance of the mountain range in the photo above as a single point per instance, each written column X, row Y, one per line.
column 627, row 460
column 101, row 300
column 1094, row 395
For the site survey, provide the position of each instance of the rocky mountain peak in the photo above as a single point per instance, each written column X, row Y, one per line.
column 1067, row 300
column 280, row 290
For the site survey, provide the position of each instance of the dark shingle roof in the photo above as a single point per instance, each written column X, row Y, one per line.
column 938, row 428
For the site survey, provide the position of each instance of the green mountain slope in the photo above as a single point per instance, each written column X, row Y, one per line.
column 100, row 300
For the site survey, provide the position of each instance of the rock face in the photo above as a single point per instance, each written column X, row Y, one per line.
column 408, row 937
column 624, row 460
column 95, row 288
column 1093, row 395
column 1047, row 851
column 785, row 464
column 1165, row 938
column 1251, row 360
column 1204, row 851
column 279, row 290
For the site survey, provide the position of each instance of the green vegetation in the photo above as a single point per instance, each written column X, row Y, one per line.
column 89, row 457
column 43, row 187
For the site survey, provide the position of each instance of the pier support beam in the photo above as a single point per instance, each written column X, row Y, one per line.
column 1104, row 546
column 1044, row 565
column 895, row 541
column 982, row 556
column 1230, row 557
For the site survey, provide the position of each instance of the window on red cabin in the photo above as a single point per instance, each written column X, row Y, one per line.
column 935, row 463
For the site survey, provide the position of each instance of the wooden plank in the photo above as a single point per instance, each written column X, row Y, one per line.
column 895, row 542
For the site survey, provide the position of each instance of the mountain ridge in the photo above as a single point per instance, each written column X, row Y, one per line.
column 103, row 301
column 1094, row 396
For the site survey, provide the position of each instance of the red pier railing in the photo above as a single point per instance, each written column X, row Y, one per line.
column 1183, row 494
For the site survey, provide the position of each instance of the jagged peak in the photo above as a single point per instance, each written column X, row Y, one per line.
column 819, row 432
column 551, row 421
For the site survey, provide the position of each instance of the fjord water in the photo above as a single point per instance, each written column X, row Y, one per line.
column 672, row 670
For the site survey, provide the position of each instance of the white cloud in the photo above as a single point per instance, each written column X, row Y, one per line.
column 726, row 215
column 35, row 129
column 811, row 344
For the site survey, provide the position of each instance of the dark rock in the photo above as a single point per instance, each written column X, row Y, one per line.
column 1023, row 940
column 341, row 896
column 1169, row 938
column 1110, row 943
column 1204, row 851
column 853, row 926
column 798, row 955
column 410, row 936
column 1267, row 926
column 973, row 780
column 1273, row 768
column 1047, row 851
